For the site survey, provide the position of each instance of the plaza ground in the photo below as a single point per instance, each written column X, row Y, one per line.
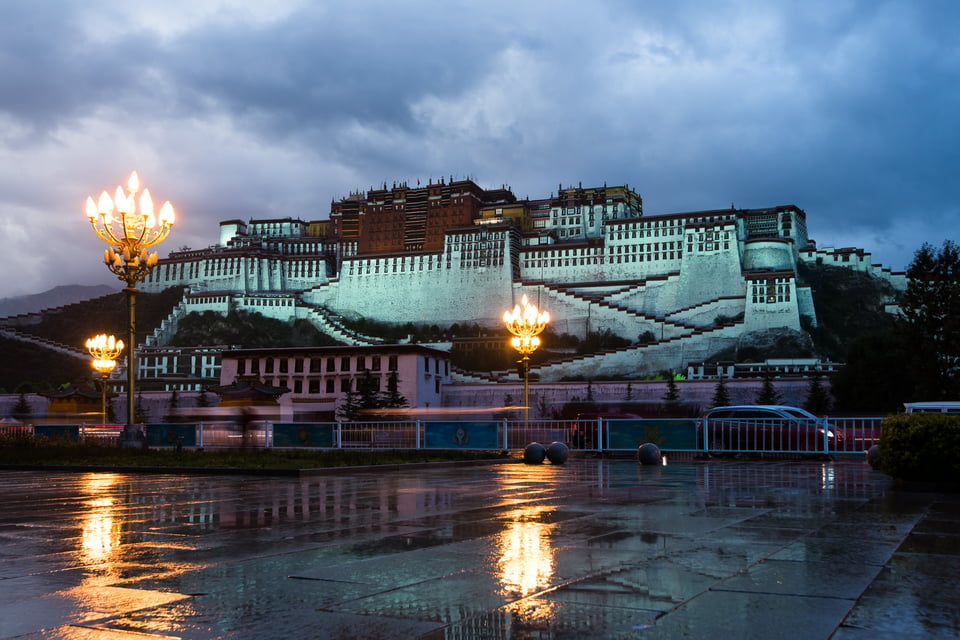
column 594, row 548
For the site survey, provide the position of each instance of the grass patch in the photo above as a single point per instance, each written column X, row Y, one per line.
column 28, row 452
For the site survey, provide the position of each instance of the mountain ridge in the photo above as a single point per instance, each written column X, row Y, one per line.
column 52, row 298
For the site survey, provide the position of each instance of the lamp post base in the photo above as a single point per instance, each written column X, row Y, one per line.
column 132, row 438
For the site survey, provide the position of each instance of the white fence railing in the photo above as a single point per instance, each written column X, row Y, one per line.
column 821, row 436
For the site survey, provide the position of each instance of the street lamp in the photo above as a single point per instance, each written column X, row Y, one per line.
column 526, row 323
column 105, row 351
column 130, row 232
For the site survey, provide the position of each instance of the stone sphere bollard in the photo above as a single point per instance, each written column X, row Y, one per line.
column 534, row 453
column 873, row 456
column 557, row 453
column 649, row 453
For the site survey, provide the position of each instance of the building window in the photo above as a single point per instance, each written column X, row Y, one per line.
column 361, row 363
column 345, row 363
column 331, row 364
column 268, row 365
column 314, row 386
column 298, row 365
column 392, row 363
column 345, row 385
column 330, row 385
column 284, row 365
column 298, row 386
column 315, row 365
column 241, row 367
column 375, row 363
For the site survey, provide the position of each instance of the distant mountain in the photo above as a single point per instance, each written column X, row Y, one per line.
column 55, row 297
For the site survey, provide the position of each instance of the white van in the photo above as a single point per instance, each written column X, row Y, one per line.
column 932, row 407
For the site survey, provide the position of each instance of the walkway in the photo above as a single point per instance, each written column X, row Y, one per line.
column 590, row 549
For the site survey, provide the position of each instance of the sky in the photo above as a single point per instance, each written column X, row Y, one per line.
column 242, row 109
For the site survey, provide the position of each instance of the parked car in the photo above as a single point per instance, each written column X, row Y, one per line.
column 768, row 428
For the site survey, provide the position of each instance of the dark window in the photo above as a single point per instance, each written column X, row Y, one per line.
column 345, row 385
column 314, row 386
column 330, row 385
column 268, row 365
column 298, row 365
column 375, row 363
column 392, row 365
column 345, row 363
column 331, row 364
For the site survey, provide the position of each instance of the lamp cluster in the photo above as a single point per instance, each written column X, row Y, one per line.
column 105, row 351
column 129, row 229
column 525, row 322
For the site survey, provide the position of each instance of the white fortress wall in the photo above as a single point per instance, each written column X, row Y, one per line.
column 805, row 306
column 705, row 315
column 771, row 302
column 560, row 264
column 408, row 289
column 642, row 360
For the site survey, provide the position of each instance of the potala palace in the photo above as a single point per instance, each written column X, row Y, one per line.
column 453, row 252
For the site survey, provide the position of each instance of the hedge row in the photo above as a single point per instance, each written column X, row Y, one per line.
column 922, row 447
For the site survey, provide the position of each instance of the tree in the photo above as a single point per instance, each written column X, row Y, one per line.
column 392, row 398
column 672, row 393
column 768, row 393
column 22, row 408
column 818, row 401
column 874, row 377
column 721, row 396
column 361, row 398
column 174, row 405
column 930, row 325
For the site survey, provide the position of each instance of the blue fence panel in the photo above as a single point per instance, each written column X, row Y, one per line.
column 171, row 435
column 461, row 435
column 668, row 434
column 303, row 434
column 57, row 431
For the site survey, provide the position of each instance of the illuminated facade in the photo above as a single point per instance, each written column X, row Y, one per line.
column 452, row 252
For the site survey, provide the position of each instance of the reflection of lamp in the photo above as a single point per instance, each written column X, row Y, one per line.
column 105, row 350
column 129, row 232
column 526, row 323
column 526, row 557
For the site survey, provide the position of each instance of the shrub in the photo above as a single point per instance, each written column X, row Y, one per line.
column 922, row 446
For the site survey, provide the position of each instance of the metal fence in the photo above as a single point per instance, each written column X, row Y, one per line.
column 599, row 435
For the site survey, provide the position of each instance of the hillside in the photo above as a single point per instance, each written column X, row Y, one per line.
column 848, row 303
column 56, row 297
column 29, row 368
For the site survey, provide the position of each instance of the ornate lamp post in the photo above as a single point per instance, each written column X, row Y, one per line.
column 526, row 323
column 130, row 232
column 105, row 350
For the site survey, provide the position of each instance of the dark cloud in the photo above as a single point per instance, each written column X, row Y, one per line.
column 239, row 109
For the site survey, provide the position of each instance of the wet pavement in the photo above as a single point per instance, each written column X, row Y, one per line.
column 594, row 548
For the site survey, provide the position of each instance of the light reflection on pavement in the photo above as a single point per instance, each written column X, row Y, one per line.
column 595, row 548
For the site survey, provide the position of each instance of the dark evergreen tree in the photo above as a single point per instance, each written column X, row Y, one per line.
column 721, row 396
column 365, row 396
column 173, row 406
column 930, row 325
column 139, row 411
column 22, row 408
column 768, row 393
column 818, row 401
column 874, row 377
column 672, row 394
column 111, row 412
